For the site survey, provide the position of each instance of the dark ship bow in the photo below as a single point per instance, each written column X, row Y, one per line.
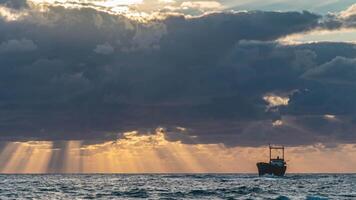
column 276, row 166
column 267, row 168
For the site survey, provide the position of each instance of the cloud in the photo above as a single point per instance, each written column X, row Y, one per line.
column 104, row 49
column 274, row 100
column 16, row 4
column 343, row 19
column 349, row 12
column 335, row 35
column 340, row 70
column 10, row 14
column 201, row 4
column 319, row 6
column 14, row 45
column 141, row 10
column 207, row 74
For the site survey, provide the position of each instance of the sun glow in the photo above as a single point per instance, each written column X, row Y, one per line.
column 25, row 157
column 153, row 153
column 134, row 153
column 139, row 10
column 128, row 8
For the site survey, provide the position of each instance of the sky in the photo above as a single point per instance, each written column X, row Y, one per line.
column 131, row 86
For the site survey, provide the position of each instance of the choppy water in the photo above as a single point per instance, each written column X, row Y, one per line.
column 201, row 186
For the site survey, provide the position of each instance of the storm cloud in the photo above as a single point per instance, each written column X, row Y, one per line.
column 68, row 74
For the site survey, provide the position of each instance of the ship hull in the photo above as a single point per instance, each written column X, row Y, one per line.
column 267, row 168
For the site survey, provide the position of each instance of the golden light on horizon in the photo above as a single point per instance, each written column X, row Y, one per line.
column 25, row 157
column 153, row 153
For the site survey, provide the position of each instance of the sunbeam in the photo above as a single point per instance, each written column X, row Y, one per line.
column 25, row 157
column 153, row 153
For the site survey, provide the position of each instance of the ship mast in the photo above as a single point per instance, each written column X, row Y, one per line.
column 272, row 147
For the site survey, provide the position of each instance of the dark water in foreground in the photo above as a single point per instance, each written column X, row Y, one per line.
column 199, row 186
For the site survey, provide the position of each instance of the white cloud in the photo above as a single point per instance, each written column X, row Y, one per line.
column 17, row 46
column 274, row 100
column 351, row 11
column 277, row 123
column 9, row 14
column 329, row 117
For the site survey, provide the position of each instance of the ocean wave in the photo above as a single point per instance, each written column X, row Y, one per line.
column 181, row 186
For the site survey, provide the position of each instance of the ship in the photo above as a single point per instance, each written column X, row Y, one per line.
column 276, row 165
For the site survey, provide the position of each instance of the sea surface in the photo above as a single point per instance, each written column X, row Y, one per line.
column 178, row 186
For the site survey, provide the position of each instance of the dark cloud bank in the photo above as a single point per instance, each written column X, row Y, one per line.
column 82, row 74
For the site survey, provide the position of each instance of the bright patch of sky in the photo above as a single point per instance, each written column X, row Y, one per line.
column 342, row 35
column 319, row 6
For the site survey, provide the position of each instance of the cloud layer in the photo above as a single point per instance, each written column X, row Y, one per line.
column 84, row 74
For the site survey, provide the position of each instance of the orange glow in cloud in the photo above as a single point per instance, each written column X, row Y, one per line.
column 136, row 153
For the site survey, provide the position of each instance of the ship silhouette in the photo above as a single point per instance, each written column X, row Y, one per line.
column 276, row 165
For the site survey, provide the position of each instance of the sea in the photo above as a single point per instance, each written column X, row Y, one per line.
column 178, row 186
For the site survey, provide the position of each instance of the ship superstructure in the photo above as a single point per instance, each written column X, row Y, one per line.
column 276, row 165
